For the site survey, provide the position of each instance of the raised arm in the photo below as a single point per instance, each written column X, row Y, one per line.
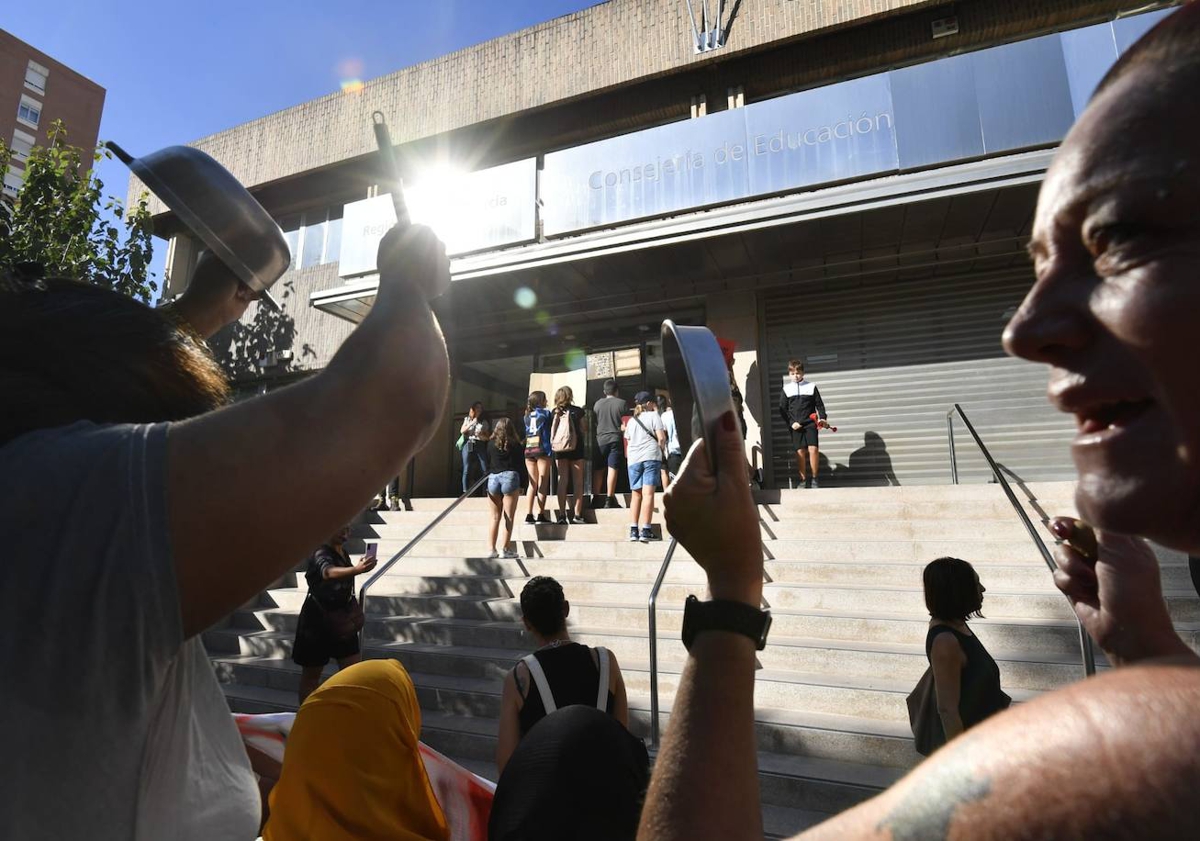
column 705, row 782
column 252, row 488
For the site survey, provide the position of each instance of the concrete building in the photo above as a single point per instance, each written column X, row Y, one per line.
column 850, row 183
column 36, row 90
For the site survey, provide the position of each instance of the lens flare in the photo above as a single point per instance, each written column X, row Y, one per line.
column 352, row 86
column 350, row 72
column 525, row 298
column 542, row 318
column 575, row 359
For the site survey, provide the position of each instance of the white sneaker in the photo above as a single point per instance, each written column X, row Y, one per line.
column 494, row 554
column 509, row 554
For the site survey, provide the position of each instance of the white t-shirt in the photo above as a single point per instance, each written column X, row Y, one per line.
column 643, row 443
column 114, row 725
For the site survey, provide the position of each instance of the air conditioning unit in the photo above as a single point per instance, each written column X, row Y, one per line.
column 943, row 27
column 274, row 358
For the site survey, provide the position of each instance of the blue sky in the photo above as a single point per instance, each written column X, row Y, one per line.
column 175, row 71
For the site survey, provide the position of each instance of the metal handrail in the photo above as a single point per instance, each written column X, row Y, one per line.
column 1085, row 642
column 653, row 604
column 362, row 591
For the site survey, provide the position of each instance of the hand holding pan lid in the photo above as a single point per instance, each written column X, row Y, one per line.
column 699, row 383
column 218, row 210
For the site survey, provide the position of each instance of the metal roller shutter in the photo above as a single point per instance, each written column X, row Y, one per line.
column 890, row 357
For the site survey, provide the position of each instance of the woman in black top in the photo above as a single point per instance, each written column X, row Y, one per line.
column 320, row 631
column 504, row 454
column 572, row 671
column 570, row 462
column 966, row 677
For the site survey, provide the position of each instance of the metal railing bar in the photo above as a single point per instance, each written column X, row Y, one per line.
column 653, row 604
column 1087, row 654
column 382, row 570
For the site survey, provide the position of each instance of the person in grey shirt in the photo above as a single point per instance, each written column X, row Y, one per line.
column 609, row 411
column 139, row 510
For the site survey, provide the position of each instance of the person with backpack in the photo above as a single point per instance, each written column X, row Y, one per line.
column 537, row 455
column 647, row 440
column 503, row 486
column 568, row 428
column 559, row 673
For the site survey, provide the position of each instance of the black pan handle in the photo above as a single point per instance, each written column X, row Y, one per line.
column 387, row 154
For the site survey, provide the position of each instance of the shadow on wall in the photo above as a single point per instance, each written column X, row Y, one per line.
column 242, row 346
column 869, row 466
column 753, row 397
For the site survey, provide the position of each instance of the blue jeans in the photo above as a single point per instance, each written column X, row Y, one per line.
column 643, row 473
column 502, row 484
column 479, row 456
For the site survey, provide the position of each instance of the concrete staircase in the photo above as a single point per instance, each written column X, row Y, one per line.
column 843, row 571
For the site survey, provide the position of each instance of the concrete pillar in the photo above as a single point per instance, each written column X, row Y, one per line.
column 734, row 315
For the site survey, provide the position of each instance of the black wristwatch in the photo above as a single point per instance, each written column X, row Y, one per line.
column 723, row 615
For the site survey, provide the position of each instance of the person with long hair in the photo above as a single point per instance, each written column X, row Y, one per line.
column 537, row 455
column 474, row 432
column 966, row 678
column 140, row 508
column 568, row 430
column 647, row 439
column 504, row 485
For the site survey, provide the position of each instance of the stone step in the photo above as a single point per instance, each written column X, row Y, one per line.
column 1011, row 550
column 944, row 491
column 811, row 736
column 816, row 506
column 810, row 527
column 903, row 662
column 874, row 697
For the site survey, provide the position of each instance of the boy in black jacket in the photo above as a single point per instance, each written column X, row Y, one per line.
column 798, row 402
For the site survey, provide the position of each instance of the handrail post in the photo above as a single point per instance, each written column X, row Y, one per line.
column 950, row 441
column 652, row 605
column 1086, row 654
column 362, row 591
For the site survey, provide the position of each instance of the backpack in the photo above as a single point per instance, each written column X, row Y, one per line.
column 533, row 437
column 562, row 435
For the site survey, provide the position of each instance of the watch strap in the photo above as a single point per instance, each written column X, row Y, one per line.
column 724, row 615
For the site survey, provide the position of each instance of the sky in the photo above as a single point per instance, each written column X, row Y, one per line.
column 175, row 72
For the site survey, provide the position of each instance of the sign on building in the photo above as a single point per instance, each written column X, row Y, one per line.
column 471, row 211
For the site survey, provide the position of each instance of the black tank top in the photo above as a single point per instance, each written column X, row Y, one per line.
column 573, row 678
column 980, row 695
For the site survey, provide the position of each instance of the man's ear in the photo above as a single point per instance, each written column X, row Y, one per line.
column 566, row 609
column 245, row 293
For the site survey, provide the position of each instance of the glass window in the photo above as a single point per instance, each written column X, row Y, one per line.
column 291, row 233
column 314, row 239
column 30, row 113
column 21, row 148
column 333, row 238
column 12, row 182
column 35, row 77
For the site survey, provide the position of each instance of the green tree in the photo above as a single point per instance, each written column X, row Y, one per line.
column 61, row 219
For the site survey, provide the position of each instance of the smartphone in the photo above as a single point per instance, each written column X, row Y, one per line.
column 372, row 548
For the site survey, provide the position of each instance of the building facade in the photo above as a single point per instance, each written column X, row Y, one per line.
column 36, row 90
column 847, row 183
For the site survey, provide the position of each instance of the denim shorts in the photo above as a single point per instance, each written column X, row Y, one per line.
column 643, row 473
column 610, row 454
column 500, row 484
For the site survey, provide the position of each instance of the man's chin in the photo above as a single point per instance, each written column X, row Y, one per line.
column 1155, row 510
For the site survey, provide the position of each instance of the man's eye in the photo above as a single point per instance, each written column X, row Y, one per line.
column 1107, row 237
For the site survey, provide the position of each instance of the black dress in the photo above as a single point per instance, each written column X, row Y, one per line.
column 315, row 645
column 979, row 694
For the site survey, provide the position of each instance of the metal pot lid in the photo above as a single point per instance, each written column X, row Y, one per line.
column 698, row 381
column 215, row 207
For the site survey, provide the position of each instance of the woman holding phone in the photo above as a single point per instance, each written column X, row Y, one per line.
column 331, row 616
